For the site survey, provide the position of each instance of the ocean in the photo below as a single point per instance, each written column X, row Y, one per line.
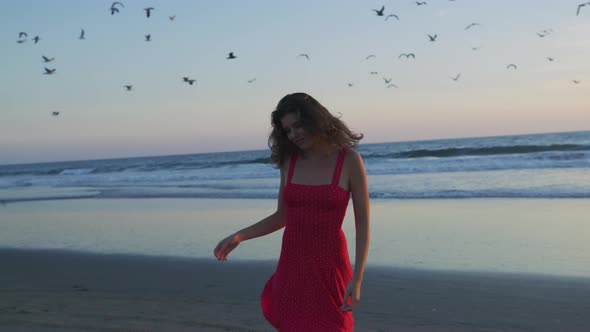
column 553, row 165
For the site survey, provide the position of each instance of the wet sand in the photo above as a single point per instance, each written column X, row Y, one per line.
column 52, row 290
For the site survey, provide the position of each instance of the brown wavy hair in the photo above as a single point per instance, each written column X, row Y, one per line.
column 314, row 118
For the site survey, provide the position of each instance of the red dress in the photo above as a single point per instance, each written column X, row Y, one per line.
column 307, row 289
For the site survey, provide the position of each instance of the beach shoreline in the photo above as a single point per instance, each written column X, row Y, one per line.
column 57, row 290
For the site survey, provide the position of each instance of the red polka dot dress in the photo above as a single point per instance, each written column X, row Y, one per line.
column 307, row 289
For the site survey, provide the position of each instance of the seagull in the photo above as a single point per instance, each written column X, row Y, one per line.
column 471, row 25
column 374, row 73
column 580, row 7
column 370, row 56
column 386, row 80
column 114, row 10
column 81, row 35
column 36, row 39
column 46, row 59
column 456, row 78
column 380, row 11
column 420, row 3
column 475, row 48
column 252, row 80
column 128, row 87
column 432, row 38
column 188, row 80
column 511, row 66
column 55, row 113
column 171, row 18
column 148, row 11
column 117, row 3
column 541, row 35
column 350, row 85
column 304, row 55
column 550, row 59
column 21, row 34
column 407, row 55
column 231, row 56
column 49, row 71
column 576, row 81
column 392, row 86
column 391, row 15
column 148, row 37
column 20, row 41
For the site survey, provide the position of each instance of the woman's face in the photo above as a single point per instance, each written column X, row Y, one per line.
column 295, row 131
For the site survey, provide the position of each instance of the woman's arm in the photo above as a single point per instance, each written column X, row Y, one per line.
column 360, row 200
column 268, row 225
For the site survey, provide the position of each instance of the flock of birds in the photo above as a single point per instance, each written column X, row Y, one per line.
column 117, row 6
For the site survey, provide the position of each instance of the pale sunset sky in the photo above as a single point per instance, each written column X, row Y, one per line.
column 222, row 111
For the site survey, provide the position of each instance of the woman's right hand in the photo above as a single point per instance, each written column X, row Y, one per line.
column 225, row 246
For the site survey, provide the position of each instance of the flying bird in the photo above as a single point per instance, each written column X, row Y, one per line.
column 252, row 80
column 407, row 55
column 21, row 34
column 304, row 55
column 580, row 7
column 148, row 37
column 55, row 113
column 46, row 59
column 374, row 73
column 117, row 3
column 475, row 48
column 380, row 11
column 387, row 80
column 456, row 78
column 231, row 56
column 370, row 56
column 550, row 59
column 188, row 80
column 171, row 18
column 392, row 86
column 432, row 38
column 420, row 3
column 148, row 11
column 81, row 37
column 471, row 25
column 350, row 85
column 576, row 81
column 391, row 15
column 511, row 66
column 114, row 10
column 49, row 71
column 20, row 41
column 36, row 39
column 128, row 87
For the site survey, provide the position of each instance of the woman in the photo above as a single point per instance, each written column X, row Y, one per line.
column 313, row 287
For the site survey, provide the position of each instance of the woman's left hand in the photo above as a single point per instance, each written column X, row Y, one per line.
column 353, row 291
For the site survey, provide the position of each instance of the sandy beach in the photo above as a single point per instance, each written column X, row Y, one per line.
column 50, row 290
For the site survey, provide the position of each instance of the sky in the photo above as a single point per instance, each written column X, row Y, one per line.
column 162, row 115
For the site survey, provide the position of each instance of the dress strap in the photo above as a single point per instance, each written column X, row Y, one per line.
column 338, row 169
column 291, row 167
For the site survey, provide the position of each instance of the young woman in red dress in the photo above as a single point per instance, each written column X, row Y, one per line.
column 314, row 287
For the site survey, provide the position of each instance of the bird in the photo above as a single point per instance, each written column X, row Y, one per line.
column 231, row 55
column 407, row 55
column 432, row 38
column 128, row 87
column 374, row 73
column 420, row 3
column 252, row 80
column 511, row 66
column 21, row 34
column 370, row 56
column 392, row 86
column 114, row 10
column 391, row 15
column 387, row 80
column 188, row 80
column 81, row 37
column 148, row 37
column 550, row 59
column 576, row 81
column 475, row 48
column 471, row 25
column 46, row 59
column 303, row 55
column 350, row 85
column 541, row 35
column 36, row 39
column 49, row 71
column 117, row 3
column 380, row 11
column 580, row 7
column 148, row 11
column 21, row 41
column 456, row 78
column 55, row 113
column 171, row 18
